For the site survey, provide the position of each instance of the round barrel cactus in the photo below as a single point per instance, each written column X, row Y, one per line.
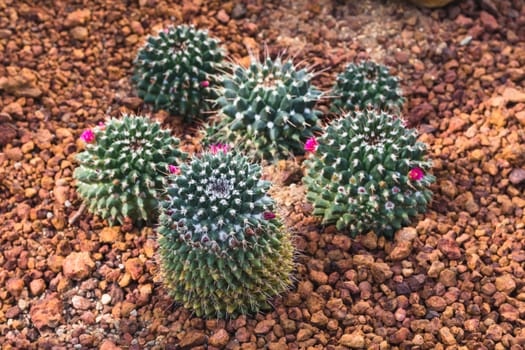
column 368, row 172
column 267, row 110
column 178, row 70
column 123, row 167
column 366, row 85
column 223, row 250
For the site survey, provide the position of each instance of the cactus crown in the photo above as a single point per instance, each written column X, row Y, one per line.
column 124, row 166
column 178, row 70
column 366, row 85
column 267, row 109
column 223, row 251
column 367, row 172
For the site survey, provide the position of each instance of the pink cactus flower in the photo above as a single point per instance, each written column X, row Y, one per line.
column 88, row 136
column 268, row 215
column 218, row 147
column 205, row 83
column 175, row 170
column 311, row 144
column 101, row 125
column 416, row 174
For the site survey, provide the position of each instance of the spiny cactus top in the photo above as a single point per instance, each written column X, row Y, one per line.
column 366, row 85
column 267, row 109
column 223, row 251
column 178, row 70
column 124, row 166
column 368, row 172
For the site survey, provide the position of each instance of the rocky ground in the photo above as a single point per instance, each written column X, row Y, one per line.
column 453, row 280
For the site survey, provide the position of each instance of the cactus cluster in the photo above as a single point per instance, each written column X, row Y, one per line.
column 178, row 70
column 366, row 85
column 367, row 172
column 267, row 109
column 123, row 167
column 223, row 251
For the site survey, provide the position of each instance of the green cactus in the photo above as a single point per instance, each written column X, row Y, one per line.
column 267, row 109
column 178, row 70
column 123, row 167
column 366, row 85
column 367, row 172
column 223, row 252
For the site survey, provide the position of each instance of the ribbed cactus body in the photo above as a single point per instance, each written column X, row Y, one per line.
column 124, row 166
column 178, row 70
column 366, row 85
column 223, row 252
column 267, row 110
column 368, row 173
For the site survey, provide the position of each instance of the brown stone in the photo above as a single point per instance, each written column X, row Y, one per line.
column 401, row 251
column 513, row 95
column 223, row 17
column 304, row 334
column 446, row 336
column 399, row 336
column 343, row 242
column 318, row 277
column 110, row 234
column 488, row 21
column 109, row 345
column 135, row 267
column 192, row 338
column 509, row 313
column 7, row 133
column 450, row 248
column 369, row 241
column 78, row 265
column 46, row 312
column 505, row 283
column 380, row 272
column 21, row 83
column 264, row 326
column 355, row 340
column 37, row 286
column 448, row 278
column 436, row 303
column 435, row 269
column 80, row 303
column 219, row 338
column 15, row 286
column 77, row 17
column 79, row 33
column 14, row 109
column 319, row 319
column 517, row 176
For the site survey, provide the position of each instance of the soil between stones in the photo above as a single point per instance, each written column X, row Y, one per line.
column 454, row 279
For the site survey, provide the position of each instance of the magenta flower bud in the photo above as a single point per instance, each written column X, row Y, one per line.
column 175, row 170
column 219, row 147
column 311, row 144
column 88, row 136
column 416, row 174
column 268, row 215
column 205, row 83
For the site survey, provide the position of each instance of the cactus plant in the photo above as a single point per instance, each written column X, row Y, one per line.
column 267, row 109
column 178, row 70
column 123, row 167
column 223, row 251
column 368, row 172
column 366, row 85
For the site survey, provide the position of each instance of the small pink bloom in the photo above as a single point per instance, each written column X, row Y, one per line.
column 175, row 170
column 88, row 136
column 311, row 144
column 219, row 147
column 416, row 174
column 205, row 83
column 101, row 125
column 268, row 215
